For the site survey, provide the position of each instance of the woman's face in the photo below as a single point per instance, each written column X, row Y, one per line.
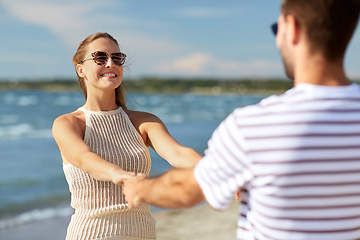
column 103, row 77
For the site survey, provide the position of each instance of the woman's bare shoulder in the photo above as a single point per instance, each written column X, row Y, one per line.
column 141, row 117
column 143, row 122
column 75, row 120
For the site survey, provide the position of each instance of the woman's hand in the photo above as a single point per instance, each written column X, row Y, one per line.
column 131, row 191
column 118, row 175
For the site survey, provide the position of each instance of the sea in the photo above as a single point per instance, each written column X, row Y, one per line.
column 32, row 182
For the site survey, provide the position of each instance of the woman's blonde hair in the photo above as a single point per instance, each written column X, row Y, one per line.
column 120, row 92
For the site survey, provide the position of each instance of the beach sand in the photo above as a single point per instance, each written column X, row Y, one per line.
column 197, row 223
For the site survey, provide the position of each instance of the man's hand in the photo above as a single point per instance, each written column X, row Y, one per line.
column 130, row 190
column 176, row 188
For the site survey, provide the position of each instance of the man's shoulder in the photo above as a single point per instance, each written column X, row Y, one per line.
column 302, row 97
column 267, row 104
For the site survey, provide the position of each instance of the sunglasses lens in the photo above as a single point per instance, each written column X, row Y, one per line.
column 118, row 58
column 100, row 58
column 274, row 28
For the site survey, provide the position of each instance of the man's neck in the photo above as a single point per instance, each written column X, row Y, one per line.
column 316, row 70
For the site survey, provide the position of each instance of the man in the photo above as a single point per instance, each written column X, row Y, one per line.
column 295, row 157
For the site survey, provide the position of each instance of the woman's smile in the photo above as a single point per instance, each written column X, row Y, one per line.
column 109, row 74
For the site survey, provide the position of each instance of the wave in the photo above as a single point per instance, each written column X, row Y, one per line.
column 23, row 130
column 23, row 101
column 35, row 215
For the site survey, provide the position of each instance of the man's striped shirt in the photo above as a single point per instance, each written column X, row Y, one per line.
column 296, row 158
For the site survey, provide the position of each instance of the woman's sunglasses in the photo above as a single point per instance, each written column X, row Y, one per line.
column 100, row 58
column 274, row 28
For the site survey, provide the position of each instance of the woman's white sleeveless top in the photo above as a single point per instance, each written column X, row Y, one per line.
column 101, row 211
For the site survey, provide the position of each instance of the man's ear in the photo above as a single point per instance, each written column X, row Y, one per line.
column 79, row 70
column 293, row 29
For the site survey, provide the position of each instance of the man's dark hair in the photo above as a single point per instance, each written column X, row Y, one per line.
column 329, row 24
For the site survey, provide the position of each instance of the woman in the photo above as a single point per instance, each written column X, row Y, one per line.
column 103, row 143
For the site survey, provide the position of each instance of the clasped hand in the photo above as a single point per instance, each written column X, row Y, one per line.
column 132, row 191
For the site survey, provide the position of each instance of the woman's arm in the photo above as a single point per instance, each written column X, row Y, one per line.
column 68, row 136
column 158, row 137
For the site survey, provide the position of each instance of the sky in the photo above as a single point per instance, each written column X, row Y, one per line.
column 162, row 38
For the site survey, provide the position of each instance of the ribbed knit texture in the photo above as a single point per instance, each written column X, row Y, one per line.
column 101, row 211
